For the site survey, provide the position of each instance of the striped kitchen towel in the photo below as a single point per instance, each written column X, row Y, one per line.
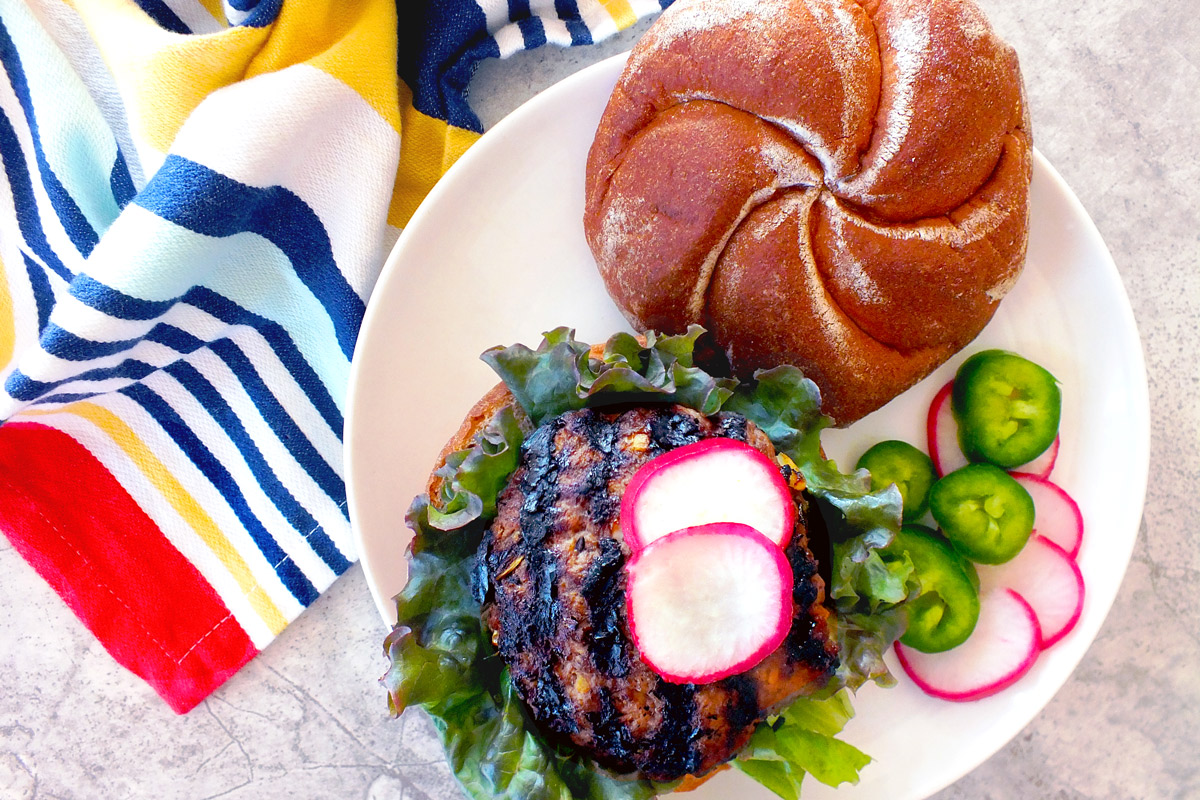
column 195, row 201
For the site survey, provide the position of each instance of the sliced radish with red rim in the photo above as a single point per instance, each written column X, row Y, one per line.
column 709, row 601
column 1056, row 516
column 713, row 480
column 942, row 433
column 1003, row 647
column 1043, row 465
column 1050, row 581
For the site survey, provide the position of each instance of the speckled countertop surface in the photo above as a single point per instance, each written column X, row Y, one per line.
column 1113, row 89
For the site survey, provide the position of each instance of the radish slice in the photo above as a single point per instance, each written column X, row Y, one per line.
column 713, row 480
column 942, row 433
column 1056, row 516
column 708, row 602
column 1043, row 465
column 941, row 430
column 1049, row 579
column 1002, row 648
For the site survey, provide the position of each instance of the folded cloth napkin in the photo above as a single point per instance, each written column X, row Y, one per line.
column 195, row 202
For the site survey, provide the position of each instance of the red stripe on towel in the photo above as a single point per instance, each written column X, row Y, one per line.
column 150, row 608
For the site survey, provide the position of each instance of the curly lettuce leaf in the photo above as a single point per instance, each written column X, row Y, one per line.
column 442, row 659
column 543, row 381
column 561, row 376
column 787, row 407
column 801, row 741
column 472, row 478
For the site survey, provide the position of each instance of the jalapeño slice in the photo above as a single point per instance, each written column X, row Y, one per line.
column 1006, row 406
column 900, row 463
column 986, row 514
column 945, row 612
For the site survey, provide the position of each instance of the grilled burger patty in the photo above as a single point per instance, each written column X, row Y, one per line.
column 551, row 579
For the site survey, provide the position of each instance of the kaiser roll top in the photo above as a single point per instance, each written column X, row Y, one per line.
column 834, row 184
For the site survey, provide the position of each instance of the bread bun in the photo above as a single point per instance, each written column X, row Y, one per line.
column 835, row 184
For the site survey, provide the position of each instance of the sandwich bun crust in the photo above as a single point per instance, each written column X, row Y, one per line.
column 836, row 184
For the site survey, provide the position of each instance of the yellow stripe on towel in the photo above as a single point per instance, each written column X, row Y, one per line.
column 354, row 42
column 621, row 12
column 8, row 326
column 428, row 147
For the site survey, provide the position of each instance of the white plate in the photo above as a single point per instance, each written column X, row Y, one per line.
column 496, row 255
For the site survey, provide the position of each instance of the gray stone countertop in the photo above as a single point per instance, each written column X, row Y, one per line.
column 1114, row 90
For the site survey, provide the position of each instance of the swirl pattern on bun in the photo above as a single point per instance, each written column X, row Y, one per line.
column 837, row 184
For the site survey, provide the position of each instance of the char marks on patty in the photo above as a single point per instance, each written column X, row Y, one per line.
column 551, row 573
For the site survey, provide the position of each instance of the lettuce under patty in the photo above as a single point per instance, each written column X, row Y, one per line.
column 442, row 658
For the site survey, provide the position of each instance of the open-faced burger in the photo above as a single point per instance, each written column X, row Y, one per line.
column 516, row 631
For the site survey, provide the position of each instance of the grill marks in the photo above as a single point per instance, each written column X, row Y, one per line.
column 602, row 436
column 609, row 732
column 555, row 602
column 676, row 744
column 603, row 591
column 804, row 568
column 539, row 483
column 669, row 431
